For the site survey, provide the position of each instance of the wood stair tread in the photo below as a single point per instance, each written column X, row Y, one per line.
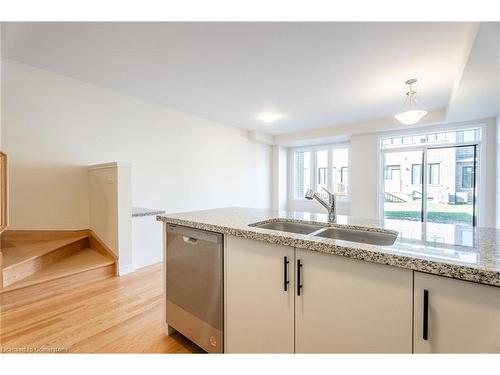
column 82, row 261
column 27, row 251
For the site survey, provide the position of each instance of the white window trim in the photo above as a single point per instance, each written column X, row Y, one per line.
column 482, row 160
column 324, row 147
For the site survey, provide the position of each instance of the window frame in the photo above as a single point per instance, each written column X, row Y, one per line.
column 342, row 169
column 419, row 174
column 471, row 175
column 391, row 168
column 429, row 171
column 324, row 147
column 324, row 174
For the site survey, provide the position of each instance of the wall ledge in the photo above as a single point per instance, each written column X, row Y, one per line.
column 113, row 164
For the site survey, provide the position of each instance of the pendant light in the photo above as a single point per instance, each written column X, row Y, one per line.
column 413, row 115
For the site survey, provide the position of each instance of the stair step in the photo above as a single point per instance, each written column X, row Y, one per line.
column 82, row 261
column 31, row 236
column 22, row 253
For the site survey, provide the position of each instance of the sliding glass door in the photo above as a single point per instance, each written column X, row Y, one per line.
column 403, row 185
column 431, row 184
column 451, row 185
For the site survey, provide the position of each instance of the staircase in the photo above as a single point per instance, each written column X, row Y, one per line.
column 38, row 264
column 395, row 197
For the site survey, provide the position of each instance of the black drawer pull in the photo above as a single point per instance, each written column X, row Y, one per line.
column 285, row 273
column 299, row 273
column 425, row 327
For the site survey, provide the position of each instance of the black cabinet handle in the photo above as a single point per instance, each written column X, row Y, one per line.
column 425, row 327
column 285, row 273
column 299, row 273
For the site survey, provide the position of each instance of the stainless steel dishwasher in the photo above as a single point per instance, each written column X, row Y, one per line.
column 194, row 285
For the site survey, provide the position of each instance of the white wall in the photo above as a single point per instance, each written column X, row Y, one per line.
column 147, row 237
column 498, row 173
column 0, row 85
column 54, row 126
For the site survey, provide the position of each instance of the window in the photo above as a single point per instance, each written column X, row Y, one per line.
column 340, row 162
column 392, row 172
column 322, row 176
column 302, row 173
column 321, row 167
column 467, row 174
column 343, row 175
column 443, row 137
column 416, row 174
column 433, row 174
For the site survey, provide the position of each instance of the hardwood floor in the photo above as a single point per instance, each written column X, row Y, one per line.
column 115, row 315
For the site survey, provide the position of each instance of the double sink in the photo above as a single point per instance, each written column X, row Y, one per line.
column 380, row 238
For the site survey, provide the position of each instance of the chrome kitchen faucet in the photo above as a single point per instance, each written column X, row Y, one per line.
column 330, row 205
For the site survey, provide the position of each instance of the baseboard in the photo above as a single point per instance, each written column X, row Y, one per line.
column 125, row 269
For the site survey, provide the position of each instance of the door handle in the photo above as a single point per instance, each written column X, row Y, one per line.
column 299, row 274
column 285, row 273
column 425, row 323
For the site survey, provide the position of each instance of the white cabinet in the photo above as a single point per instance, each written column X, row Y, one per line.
column 462, row 317
column 352, row 306
column 259, row 312
column 348, row 306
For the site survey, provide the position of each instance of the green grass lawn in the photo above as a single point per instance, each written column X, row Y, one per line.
column 436, row 212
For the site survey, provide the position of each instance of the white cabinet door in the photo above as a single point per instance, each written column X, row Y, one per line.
column 351, row 306
column 462, row 317
column 259, row 312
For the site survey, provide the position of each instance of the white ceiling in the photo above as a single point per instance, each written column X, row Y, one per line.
column 315, row 74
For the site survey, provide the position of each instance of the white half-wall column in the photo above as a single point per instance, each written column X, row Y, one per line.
column 279, row 178
column 110, row 208
column 364, row 176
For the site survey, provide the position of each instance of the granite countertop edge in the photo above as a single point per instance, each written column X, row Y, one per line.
column 346, row 249
column 142, row 211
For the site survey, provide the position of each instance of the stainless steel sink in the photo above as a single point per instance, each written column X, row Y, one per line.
column 362, row 236
column 385, row 238
column 286, row 226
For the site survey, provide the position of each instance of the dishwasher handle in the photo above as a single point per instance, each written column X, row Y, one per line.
column 192, row 236
column 190, row 240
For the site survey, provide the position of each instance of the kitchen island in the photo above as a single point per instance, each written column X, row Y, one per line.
column 436, row 289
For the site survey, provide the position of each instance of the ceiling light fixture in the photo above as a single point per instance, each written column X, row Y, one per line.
column 269, row 117
column 413, row 115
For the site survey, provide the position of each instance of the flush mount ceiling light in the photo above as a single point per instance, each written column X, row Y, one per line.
column 413, row 115
column 269, row 117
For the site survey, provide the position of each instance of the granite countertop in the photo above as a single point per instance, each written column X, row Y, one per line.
column 471, row 254
column 141, row 211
